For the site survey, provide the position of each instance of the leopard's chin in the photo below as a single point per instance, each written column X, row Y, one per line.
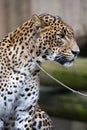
column 68, row 64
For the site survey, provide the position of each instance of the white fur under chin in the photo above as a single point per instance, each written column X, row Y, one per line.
column 68, row 64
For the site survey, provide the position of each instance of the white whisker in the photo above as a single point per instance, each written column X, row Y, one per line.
column 62, row 84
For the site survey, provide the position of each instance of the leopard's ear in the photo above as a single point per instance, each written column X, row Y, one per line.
column 38, row 23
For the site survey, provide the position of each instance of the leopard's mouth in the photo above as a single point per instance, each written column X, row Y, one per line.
column 64, row 61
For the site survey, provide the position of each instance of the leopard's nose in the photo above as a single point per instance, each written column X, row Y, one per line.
column 74, row 47
column 76, row 52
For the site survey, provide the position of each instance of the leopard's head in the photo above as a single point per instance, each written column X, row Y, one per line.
column 55, row 40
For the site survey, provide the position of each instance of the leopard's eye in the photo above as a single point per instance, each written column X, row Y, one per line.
column 62, row 36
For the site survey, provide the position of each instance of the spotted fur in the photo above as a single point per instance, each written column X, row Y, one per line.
column 41, row 38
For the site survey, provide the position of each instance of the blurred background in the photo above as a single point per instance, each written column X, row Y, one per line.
column 68, row 111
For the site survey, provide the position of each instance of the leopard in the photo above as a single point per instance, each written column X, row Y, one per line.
column 41, row 38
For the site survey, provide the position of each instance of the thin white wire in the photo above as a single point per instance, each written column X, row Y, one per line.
column 59, row 82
